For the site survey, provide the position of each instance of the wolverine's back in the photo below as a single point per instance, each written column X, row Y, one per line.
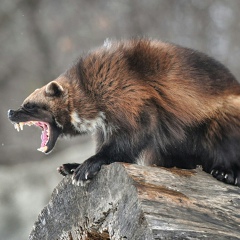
column 184, row 82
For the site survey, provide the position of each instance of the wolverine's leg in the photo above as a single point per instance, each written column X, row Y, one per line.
column 107, row 155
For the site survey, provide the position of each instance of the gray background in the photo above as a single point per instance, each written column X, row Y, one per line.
column 40, row 39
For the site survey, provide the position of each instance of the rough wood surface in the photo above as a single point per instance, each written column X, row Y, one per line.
column 135, row 202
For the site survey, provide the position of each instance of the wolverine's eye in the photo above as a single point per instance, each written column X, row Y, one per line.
column 30, row 106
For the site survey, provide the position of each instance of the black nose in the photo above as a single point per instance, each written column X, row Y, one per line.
column 10, row 113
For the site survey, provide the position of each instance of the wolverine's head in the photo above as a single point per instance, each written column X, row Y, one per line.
column 48, row 108
column 40, row 109
column 59, row 108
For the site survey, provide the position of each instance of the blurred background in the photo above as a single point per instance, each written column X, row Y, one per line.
column 39, row 39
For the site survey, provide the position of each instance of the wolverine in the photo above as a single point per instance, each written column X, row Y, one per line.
column 146, row 102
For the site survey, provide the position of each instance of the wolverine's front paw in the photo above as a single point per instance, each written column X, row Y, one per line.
column 86, row 171
column 67, row 168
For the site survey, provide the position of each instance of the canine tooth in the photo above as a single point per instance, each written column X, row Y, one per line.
column 21, row 125
column 16, row 126
column 43, row 149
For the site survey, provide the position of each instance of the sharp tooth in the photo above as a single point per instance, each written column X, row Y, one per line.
column 16, row 126
column 43, row 149
column 21, row 125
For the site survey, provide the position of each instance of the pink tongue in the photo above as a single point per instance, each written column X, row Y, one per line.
column 44, row 136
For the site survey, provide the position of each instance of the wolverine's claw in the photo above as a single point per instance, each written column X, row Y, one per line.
column 74, row 181
column 68, row 168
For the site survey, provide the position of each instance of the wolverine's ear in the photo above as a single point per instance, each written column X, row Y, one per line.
column 54, row 89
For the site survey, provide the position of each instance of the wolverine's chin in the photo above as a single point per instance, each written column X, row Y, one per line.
column 49, row 136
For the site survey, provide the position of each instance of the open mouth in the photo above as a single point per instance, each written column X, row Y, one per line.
column 48, row 137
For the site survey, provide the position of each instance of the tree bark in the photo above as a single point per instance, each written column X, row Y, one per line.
column 127, row 201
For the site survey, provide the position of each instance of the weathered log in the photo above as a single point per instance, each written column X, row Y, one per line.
column 134, row 202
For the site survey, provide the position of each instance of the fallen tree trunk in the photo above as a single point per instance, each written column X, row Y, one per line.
column 134, row 202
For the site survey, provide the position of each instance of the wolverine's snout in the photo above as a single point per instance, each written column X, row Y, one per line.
column 15, row 115
column 10, row 113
